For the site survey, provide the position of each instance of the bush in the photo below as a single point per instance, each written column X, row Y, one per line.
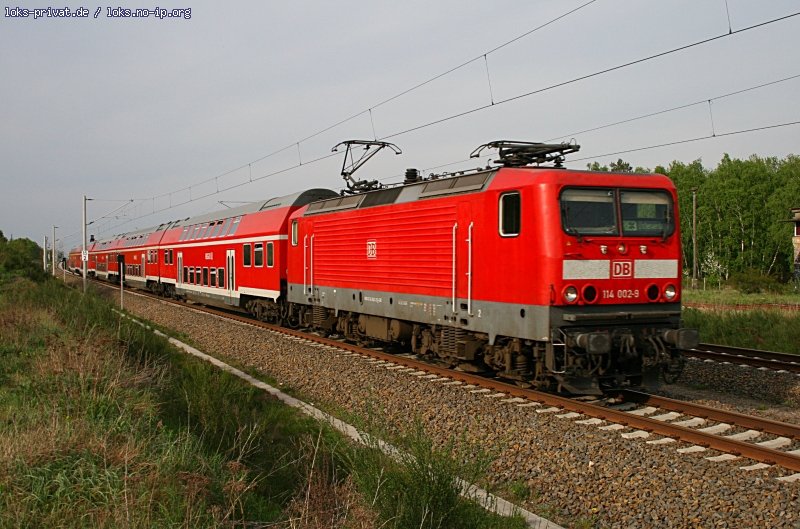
column 752, row 282
column 21, row 257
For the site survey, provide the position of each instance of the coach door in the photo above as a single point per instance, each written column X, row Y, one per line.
column 144, row 266
column 230, row 270
column 463, row 246
column 179, row 271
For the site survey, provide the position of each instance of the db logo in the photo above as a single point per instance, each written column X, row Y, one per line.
column 372, row 249
column 621, row 268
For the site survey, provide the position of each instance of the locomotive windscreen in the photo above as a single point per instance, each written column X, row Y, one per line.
column 646, row 213
column 589, row 212
column 594, row 212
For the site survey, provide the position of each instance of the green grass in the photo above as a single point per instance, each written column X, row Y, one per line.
column 103, row 424
column 731, row 296
column 767, row 330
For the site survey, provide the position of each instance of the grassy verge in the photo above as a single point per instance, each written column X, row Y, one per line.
column 768, row 330
column 103, row 424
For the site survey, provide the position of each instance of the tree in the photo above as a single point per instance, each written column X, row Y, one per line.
column 742, row 206
column 21, row 257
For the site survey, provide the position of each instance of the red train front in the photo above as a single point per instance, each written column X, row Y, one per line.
column 568, row 280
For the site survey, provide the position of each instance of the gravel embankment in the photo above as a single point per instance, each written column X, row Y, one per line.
column 574, row 472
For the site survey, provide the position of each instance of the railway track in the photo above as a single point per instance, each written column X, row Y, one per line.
column 791, row 307
column 751, row 357
column 635, row 415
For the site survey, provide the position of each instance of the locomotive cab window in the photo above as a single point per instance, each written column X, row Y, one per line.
column 510, row 214
column 614, row 212
column 646, row 213
column 589, row 211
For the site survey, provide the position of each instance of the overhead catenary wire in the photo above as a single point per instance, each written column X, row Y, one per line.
column 451, row 117
column 589, row 76
column 629, row 120
column 370, row 109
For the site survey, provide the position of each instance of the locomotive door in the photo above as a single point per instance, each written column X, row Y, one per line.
column 462, row 262
column 230, row 270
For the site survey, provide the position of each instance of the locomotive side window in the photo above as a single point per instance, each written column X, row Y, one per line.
column 270, row 254
column 246, row 257
column 588, row 212
column 259, row 254
column 510, row 214
column 294, row 233
column 646, row 213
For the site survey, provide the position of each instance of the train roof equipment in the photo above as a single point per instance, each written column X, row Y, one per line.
column 371, row 148
column 523, row 153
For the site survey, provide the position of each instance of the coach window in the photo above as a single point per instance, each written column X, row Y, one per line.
column 205, row 277
column 217, row 228
column 246, row 260
column 212, row 279
column 259, row 254
column 270, row 254
column 510, row 214
column 221, row 276
column 191, row 275
column 171, row 257
column 225, row 225
column 294, row 233
column 235, row 225
column 184, row 234
column 185, row 274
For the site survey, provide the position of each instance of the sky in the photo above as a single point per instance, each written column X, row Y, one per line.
column 156, row 119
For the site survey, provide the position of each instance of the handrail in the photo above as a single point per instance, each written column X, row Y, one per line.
column 305, row 264
column 311, row 259
column 469, row 269
column 455, row 229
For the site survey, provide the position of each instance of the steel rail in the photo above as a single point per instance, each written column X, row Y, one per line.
column 689, row 435
column 682, row 433
column 698, row 410
column 752, row 357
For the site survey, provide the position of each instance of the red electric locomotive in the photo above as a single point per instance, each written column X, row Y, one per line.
column 568, row 280
column 565, row 280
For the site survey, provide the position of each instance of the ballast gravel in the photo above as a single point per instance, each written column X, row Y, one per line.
column 575, row 474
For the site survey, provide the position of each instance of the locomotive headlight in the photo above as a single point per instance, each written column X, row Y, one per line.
column 570, row 294
column 670, row 292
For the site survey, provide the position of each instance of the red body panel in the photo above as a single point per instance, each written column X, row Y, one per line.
column 409, row 247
